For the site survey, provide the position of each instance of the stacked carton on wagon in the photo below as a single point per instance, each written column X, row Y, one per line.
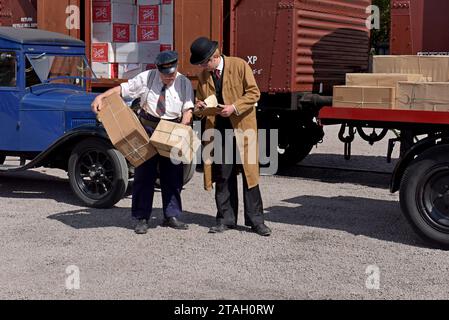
column 398, row 82
column 432, row 95
column 368, row 90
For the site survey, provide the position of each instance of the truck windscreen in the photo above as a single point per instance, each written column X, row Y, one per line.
column 60, row 68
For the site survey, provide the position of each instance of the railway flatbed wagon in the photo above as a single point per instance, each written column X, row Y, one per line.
column 422, row 173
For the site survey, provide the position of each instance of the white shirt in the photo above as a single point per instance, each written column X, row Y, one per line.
column 221, row 66
column 174, row 106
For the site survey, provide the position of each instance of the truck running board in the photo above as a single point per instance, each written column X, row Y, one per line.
column 13, row 164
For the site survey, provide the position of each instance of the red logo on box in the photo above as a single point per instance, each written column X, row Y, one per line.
column 165, row 47
column 147, row 33
column 100, row 52
column 120, row 32
column 114, row 70
column 101, row 12
column 149, row 15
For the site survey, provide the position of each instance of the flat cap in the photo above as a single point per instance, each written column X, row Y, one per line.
column 167, row 61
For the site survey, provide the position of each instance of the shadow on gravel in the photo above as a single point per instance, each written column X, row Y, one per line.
column 88, row 218
column 36, row 185
column 377, row 219
column 370, row 171
column 331, row 175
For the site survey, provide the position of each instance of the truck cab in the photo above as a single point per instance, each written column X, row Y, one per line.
column 43, row 89
column 46, row 118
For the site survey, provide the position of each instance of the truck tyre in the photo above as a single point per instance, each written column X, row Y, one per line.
column 424, row 195
column 188, row 172
column 300, row 141
column 294, row 153
column 98, row 173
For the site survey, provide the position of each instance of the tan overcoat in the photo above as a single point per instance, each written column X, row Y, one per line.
column 240, row 89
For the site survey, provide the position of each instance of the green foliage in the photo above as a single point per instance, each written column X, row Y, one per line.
column 382, row 36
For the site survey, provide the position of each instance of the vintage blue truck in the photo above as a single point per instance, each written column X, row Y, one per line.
column 46, row 118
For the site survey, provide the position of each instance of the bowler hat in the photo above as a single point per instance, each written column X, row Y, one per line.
column 202, row 49
column 167, row 61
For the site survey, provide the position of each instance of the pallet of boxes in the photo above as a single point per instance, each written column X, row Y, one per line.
column 398, row 82
column 127, row 35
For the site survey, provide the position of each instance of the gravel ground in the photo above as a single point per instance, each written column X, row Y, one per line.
column 330, row 229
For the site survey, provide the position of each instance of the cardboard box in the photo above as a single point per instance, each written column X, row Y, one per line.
column 364, row 97
column 113, row 32
column 116, row 1
column 148, row 14
column 103, row 52
column 436, row 68
column 105, row 70
column 130, row 70
column 165, row 47
column 125, row 131
column 114, row 12
column 381, row 79
column 136, row 52
column 170, row 138
column 166, row 34
column 423, row 96
column 147, row 33
column 167, row 14
column 148, row 2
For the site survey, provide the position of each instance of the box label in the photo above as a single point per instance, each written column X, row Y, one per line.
column 165, row 47
column 101, row 12
column 100, row 52
column 149, row 15
column 120, row 32
column 147, row 33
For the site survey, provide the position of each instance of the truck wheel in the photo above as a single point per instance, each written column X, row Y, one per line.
column 294, row 153
column 188, row 172
column 424, row 195
column 98, row 173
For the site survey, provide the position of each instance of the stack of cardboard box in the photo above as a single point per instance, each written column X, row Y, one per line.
column 127, row 35
column 398, row 82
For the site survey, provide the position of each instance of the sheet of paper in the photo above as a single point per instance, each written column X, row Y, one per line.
column 211, row 101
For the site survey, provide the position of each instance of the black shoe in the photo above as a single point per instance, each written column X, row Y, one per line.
column 141, row 226
column 219, row 228
column 174, row 223
column 262, row 230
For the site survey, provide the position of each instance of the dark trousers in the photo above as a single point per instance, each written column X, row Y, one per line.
column 226, row 197
column 171, row 180
column 226, row 190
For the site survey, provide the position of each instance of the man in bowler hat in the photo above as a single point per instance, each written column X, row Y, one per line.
column 168, row 95
column 231, row 79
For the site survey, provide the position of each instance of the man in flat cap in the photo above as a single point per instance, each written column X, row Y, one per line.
column 231, row 79
column 164, row 94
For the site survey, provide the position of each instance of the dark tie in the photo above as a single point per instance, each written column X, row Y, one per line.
column 160, row 109
column 217, row 74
